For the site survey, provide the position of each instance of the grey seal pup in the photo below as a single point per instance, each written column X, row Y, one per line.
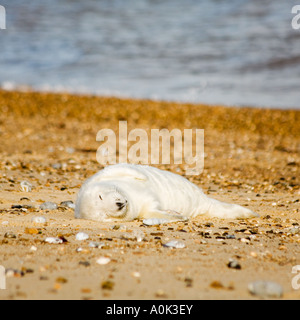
column 127, row 192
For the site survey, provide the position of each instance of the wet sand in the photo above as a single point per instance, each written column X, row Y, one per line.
column 251, row 158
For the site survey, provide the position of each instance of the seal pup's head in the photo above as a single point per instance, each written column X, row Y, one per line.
column 102, row 202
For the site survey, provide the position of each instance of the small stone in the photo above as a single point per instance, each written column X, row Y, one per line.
column 216, row 285
column 48, row 206
column 136, row 274
column 38, row 220
column 136, row 235
column 84, row 263
column 70, row 150
column 230, row 236
column 10, row 235
column 160, row 294
column 57, row 166
column 265, row 289
column 14, row 273
column 82, row 236
column 244, row 240
column 233, row 264
column 53, row 240
column 295, row 230
column 139, row 235
column 26, row 186
column 154, row 221
column 61, row 280
column 120, row 227
column 94, row 244
column 127, row 236
column 107, row 285
column 188, row 282
column 68, row 204
column 103, row 260
column 31, row 231
column 253, row 254
column 175, row 244
column 17, row 206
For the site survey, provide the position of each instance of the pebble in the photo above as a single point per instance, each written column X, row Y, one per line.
column 216, row 285
column 139, row 235
column 82, row 236
column 295, row 230
column 136, row 235
column 39, row 219
column 230, row 236
column 68, row 204
column 61, row 280
column 188, row 282
column 107, row 285
column 127, row 236
column 244, row 240
column 26, row 186
column 57, row 166
column 120, row 227
column 53, row 240
column 10, row 273
column 233, row 264
column 136, row 274
column 160, row 293
column 175, row 244
column 103, row 260
column 94, row 244
column 31, row 231
column 10, row 235
column 154, row 221
column 48, row 206
column 70, row 150
column 265, row 289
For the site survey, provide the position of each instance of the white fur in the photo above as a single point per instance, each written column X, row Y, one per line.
column 128, row 192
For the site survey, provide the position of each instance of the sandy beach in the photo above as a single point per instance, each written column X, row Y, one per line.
column 251, row 158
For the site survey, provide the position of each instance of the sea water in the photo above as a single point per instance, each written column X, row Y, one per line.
column 231, row 52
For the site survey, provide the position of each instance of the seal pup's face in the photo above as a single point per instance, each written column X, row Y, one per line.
column 102, row 203
column 112, row 202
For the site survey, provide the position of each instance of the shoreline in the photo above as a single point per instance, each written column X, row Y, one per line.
column 251, row 158
column 31, row 90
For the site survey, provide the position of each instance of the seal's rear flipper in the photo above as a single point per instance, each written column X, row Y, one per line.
column 160, row 217
column 229, row 211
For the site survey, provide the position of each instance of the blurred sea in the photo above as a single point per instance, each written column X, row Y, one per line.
column 231, row 52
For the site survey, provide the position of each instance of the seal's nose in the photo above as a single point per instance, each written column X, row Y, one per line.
column 120, row 205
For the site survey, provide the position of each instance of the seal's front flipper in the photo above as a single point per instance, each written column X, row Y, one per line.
column 160, row 217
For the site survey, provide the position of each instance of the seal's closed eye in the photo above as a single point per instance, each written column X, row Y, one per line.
column 100, row 197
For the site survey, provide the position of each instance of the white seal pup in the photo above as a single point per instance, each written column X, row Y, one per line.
column 128, row 192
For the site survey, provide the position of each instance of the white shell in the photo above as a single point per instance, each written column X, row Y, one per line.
column 82, row 236
column 175, row 244
column 26, row 186
column 103, row 260
column 53, row 240
column 154, row 221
